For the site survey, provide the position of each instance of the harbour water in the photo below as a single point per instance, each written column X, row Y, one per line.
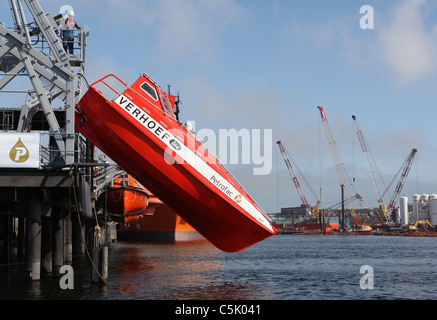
column 283, row 267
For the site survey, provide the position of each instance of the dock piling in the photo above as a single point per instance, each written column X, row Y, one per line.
column 33, row 227
column 58, row 238
column 46, row 245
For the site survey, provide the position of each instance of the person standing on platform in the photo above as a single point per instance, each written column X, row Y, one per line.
column 67, row 32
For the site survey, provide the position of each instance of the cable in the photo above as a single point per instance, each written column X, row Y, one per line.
column 83, row 237
column 320, row 162
column 417, row 175
column 277, row 182
column 83, row 77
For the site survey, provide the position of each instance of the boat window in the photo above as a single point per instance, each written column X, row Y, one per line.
column 166, row 105
column 149, row 90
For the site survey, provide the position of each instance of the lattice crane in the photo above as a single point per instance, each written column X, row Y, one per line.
column 400, row 185
column 337, row 161
column 293, row 177
column 366, row 151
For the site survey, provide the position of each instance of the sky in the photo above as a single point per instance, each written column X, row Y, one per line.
column 268, row 65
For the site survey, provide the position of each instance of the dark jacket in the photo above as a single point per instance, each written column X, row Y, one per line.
column 67, row 30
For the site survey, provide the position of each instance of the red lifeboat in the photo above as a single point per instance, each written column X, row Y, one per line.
column 136, row 127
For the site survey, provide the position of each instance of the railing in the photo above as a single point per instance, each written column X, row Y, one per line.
column 118, row 92
column 79, row 44
column 49, row 152
column 7, row 120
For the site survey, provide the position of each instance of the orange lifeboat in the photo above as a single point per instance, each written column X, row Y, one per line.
column 126, row 200
column 136, row 127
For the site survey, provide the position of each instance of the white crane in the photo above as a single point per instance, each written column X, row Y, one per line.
column 366, row 151
column 337, row 161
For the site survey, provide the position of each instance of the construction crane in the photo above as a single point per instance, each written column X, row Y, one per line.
column 293, row 177
column 400, row 185
column 382, row 206
column 337, row 161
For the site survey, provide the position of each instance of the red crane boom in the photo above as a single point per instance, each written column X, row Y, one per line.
column 293, row 176
column 407, row 167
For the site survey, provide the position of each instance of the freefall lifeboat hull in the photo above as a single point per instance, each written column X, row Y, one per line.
column 137, row 129
column 126, row 201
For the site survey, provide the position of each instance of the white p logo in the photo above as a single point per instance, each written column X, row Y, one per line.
column 19, row 152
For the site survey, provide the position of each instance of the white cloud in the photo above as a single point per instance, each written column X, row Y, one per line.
column 406, row 44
